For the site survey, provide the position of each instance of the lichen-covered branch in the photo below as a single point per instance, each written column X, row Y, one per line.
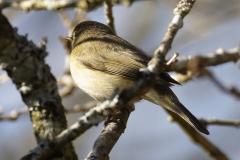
column 28, row 5
column 24, row 63
column 91, row 118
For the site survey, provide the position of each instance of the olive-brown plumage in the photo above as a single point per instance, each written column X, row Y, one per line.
column 101, row 62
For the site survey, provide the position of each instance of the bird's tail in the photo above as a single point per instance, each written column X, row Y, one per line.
column 162, row 95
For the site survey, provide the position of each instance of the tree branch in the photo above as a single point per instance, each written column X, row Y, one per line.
column 14, row 114
column 68, row 85
column 213, row 59
column 199, row 139
column 24, row 64
column 86, row 5
column 173, row 59
column 70, row 24
column 215, row 121
column 183, row 8
column 232, row 90
column 108, row 14
column 189, row 66
column 4, row 78
column 91, row 118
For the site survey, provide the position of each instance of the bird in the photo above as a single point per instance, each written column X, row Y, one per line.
column 101, row 62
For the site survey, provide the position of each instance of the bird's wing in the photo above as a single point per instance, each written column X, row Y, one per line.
column 122, row 63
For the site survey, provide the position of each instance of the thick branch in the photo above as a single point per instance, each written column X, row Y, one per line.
column 24, row 64
column 91, row 118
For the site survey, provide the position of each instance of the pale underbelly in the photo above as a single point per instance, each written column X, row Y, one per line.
column 97, row 84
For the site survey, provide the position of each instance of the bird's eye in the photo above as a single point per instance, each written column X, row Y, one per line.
column 75, row 34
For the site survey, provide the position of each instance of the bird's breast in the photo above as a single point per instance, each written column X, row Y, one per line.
column 97, row 84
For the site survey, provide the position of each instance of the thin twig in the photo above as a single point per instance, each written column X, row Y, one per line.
column 28, row 5
column 215, row 121
column 82, row 108
column 232, row 90
column 109, row 14
column 68, row 85
column 70, row 24
column 183, row 8
column 1, row 110
column 16, row 113
column 173, row 59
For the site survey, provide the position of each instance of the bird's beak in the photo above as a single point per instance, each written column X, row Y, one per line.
column 69, row 38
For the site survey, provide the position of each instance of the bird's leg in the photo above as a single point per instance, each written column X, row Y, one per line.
column 114, row 118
